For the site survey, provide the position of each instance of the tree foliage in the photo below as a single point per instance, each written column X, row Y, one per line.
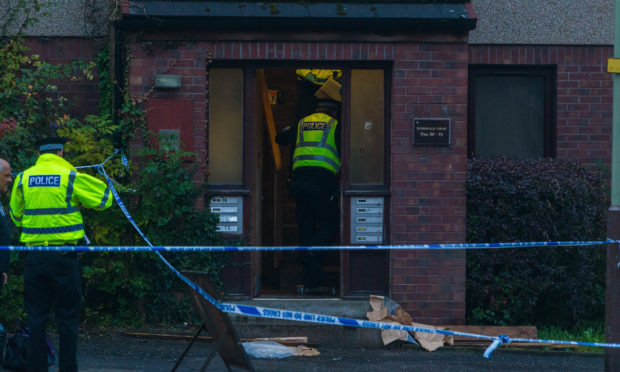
column 157, row 186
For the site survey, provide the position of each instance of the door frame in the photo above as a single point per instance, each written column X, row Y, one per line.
column 248, row 190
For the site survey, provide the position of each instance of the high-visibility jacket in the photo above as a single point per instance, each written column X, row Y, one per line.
column 45, row 201
column 316, row 143
column 319, row 77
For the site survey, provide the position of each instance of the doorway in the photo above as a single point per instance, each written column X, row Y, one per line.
column 243, row 171
column 281, row 273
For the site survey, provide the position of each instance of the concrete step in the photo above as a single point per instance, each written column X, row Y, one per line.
column 327, row 335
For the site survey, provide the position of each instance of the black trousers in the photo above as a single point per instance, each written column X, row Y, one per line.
column 318, row 223
column 52, row 281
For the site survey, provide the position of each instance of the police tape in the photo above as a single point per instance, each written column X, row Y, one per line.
column 101, row 169
column 290, row 315
column 349, row 322
column 266, row 312
column 218, row 248
column 448, row 246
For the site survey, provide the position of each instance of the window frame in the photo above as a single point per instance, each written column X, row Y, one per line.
column 223, row 188
column 350, row 189
column 547, row 72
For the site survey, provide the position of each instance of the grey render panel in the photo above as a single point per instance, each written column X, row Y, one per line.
column 90, row 18
column 66, row 18
column 161, row 8
column 559, row 22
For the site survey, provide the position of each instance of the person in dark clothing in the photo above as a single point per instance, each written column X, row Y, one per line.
column 45, row 204
column 316, row 165
column 5, row 231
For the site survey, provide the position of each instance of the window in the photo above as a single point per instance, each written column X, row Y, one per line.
column 511, row 111
column 225, row 126
column 367, row 129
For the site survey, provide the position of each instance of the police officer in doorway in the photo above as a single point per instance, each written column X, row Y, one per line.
column 45, row 203
column 316, row 164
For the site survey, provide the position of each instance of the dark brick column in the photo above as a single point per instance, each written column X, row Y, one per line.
column 612, row 297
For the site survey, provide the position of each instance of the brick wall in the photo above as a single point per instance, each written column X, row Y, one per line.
column 428, row 183
column 83, row 95
column 185, row 59
column 584, row 94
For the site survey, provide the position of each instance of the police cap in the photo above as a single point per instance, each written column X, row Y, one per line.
column 51, row 144
column 328, row 103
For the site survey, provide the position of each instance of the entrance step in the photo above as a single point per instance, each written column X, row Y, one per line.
column 327, row 335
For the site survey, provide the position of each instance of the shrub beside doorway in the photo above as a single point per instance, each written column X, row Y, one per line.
column 519, row 200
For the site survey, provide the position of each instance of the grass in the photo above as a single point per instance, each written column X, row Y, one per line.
column 594, row 332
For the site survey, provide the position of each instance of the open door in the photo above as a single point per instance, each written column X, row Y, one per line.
column 256, row 196
column 291, row 99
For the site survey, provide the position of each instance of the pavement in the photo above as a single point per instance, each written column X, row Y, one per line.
column 118, row 352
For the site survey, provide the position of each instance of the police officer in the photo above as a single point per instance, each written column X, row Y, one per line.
column 5, row 231
column 316, row 165
column 45, row 203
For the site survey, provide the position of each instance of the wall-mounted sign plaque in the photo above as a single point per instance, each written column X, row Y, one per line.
column 431, row 132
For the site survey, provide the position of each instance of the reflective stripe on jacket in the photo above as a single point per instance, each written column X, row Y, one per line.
column 316, row 143
column 45, row 200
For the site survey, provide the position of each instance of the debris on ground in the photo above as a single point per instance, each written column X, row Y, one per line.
column 272, row 349
column 388, row 311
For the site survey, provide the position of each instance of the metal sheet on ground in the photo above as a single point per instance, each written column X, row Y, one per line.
column 218, row 324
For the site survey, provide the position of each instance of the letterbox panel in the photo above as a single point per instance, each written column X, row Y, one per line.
column 230, row 210
column 367, row 220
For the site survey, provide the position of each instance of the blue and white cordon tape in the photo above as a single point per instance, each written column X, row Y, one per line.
column 265, row 312
column 218, row 248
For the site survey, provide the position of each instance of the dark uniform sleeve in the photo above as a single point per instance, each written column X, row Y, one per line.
column 287, row 136
column 5, row 239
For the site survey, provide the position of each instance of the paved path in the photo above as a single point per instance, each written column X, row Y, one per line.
column 122, row 353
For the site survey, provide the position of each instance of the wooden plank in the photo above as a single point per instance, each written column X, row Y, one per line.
column 510, row 331
column 271, row 127
column 167, row 336
column 479, row 343
column 294, row 341
column 282, row 340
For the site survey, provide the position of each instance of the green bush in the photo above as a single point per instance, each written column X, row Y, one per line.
column 29, row 101
column 159, row 190
column 516, row 200
column 137, row 288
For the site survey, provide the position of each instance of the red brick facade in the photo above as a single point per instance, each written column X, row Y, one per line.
column 189, row 61
column 83, row 95
column 428, row 183
column 427, row 201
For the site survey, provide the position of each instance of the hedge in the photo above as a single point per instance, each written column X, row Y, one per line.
column 518, row 200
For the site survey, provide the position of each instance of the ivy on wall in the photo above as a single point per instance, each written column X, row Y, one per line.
column 127, row 289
